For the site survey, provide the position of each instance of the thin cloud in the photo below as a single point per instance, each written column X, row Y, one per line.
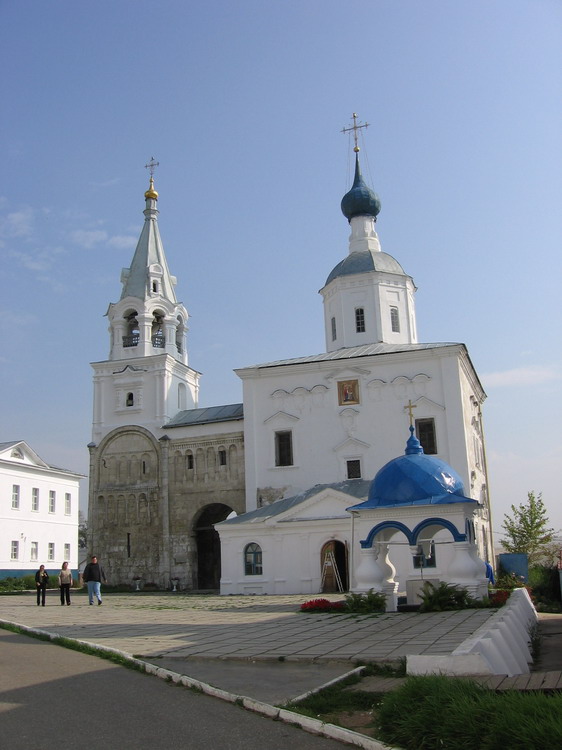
column 121, row 241
column 520, row 376
column 88, row 238
column 18, row 223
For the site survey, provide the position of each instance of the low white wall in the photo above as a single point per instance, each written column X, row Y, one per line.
column 501, row 646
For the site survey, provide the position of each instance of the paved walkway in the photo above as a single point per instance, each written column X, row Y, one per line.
column 260, row 646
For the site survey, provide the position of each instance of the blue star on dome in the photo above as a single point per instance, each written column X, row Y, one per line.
column 360, row 200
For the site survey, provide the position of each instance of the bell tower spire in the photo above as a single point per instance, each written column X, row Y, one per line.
column 146, row 379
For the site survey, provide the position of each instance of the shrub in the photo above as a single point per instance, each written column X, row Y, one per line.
column 444, row 597
column 362, row 604
column 545, row 583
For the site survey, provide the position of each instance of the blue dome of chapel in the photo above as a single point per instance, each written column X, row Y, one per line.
column 415, row 479
column 360, row 200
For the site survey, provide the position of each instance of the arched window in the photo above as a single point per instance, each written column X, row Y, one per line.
column 133, row 334
column 158, row 338
column 130, row 400
column 253, row 560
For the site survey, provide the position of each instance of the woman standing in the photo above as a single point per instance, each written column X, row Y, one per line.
column 41, row 581
column 65, row 582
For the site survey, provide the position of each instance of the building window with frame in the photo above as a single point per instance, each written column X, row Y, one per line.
column 222, row 457
column 67, row 504
column 51, row 551
column 66, row 551
column 394, row 320
column 253, row 560
column 190, row 460
column 360, row 320
column 15, row 550
column 15, row 497
column 284, row 448
column 334, row 332
column 425, row 432
column 354, row 468
column 35, row 499
column 34, row 553
column 130, row 400
column 52, row 501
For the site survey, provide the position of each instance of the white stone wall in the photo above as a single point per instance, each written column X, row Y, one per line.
column 303, row 398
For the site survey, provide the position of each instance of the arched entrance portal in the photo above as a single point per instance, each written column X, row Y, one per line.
column 208, row 545
column 333, row 559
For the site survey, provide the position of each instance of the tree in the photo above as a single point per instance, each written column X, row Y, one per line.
column 527, row 530
column 82, row 531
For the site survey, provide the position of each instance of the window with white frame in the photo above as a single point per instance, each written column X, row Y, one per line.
column 15, row 497
column 51, row 551
column 394, row 320
column 67, row 504
column 426, row 434
column 35, row 499
column 253, row 560
column 15, row 551
column 34, row 553
column 66, row 551
column 354, row 468
column 360, row 320
column 52, row 501
column 284, row 448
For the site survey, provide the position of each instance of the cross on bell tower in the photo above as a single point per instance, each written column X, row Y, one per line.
column 355, row 127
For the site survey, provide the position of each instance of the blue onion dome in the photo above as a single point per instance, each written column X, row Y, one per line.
column 416, row 479
column 360, row 200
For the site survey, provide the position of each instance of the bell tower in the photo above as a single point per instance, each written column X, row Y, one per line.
column 146, row 379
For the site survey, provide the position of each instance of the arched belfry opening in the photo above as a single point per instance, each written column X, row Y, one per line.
column 157, row 332
column 132, row 332
column 334, row 567
column 208, row 545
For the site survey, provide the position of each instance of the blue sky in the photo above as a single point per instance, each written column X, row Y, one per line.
column 242, row 103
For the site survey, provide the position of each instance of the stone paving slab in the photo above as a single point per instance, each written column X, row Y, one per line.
column 258, row 627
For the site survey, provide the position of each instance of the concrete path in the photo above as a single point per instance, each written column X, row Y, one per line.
column 229, row 641
column 52, row 698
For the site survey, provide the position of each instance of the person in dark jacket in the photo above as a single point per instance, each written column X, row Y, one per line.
column 41, row 581
column 93, row 576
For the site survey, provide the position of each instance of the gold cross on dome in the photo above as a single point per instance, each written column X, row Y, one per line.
column 355, row 127
column 410, row 407
column 151, row 166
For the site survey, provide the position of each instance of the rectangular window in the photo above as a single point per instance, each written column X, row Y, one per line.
column 16, row 496
column 283, row 448
column 51, row 551
column 222, row 458
column 34, row 555
column 35, row 499
column 359, row 320
column 425, row 431
column 15, row 550
column 354, row 469
column 67, row 504
column 190, row 460
column 394, row 320
column 66, row 551
column 52, row 501
column 333, row 329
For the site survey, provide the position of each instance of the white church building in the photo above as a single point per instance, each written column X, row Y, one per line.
column 286, row 478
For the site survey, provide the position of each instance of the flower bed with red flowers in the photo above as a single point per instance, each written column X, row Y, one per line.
column 322, row 605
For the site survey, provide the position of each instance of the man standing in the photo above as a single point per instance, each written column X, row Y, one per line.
column 93, row 576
